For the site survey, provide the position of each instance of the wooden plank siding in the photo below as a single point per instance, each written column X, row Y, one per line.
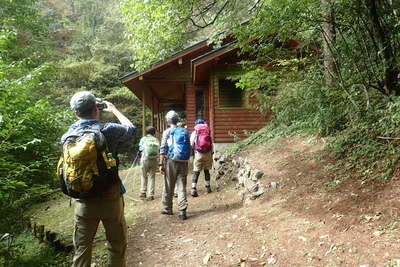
column 207, row 105
column 233, row 120
column 190, row 94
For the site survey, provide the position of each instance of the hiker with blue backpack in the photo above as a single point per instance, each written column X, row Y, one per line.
column 175, row 152
column 201, row 143
column 149, row 148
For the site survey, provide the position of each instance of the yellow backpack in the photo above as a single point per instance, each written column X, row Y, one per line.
column 86, row 167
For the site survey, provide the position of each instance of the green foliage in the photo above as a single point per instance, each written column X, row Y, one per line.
column 30, row 126
column 155, row 31
column 25, row 250
column 158, row 29
column 29, row 134
column 363, row 129
column 366, row 143
column 277, row 20
column 366, row 47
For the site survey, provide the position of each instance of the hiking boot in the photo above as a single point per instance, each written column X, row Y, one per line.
column 142, row 196
column 166, row 212
column 208, row 188
column 150, row 198
column 183, row 216
column 194, row 192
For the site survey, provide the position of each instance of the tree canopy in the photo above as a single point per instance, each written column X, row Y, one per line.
column 342, row 81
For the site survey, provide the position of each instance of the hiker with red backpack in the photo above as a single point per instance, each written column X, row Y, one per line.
column 201, row 143
column 174, row 156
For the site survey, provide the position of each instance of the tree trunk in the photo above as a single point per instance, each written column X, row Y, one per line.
column 391, row 71
column 328, row 37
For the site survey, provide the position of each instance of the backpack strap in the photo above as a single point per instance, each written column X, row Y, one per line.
column 172, row 136
column 196, row 140
column 102, row 141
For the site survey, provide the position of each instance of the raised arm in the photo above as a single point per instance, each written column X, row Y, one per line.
column 121, row 117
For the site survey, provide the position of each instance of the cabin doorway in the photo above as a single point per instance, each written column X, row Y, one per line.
column 200, row 104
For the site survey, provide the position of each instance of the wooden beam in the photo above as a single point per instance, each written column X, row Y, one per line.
column 171, row 101
column 152, row 111
column 166, row 80
column 143, row 113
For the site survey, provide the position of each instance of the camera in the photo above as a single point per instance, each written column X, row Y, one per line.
column 100, row 104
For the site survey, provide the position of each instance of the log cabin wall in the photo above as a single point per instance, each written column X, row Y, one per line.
column 190, row 105
column 225, row 121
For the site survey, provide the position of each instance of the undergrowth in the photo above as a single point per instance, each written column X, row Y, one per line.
column 26, row 251
column 362, row 128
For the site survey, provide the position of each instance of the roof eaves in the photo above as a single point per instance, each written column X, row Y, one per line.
column 212, row 52
column 127, row 75
column 134, row 74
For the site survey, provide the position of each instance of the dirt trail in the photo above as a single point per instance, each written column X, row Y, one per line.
column 305, row 222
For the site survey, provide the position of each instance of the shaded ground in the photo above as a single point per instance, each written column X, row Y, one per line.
column 307, row 221
column 313, row 218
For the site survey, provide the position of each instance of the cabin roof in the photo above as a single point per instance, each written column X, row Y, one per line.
column 213, row 52
column 160, row 63
column 164, row 82
column 202, row 65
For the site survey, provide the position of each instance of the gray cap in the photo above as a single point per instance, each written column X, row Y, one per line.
column 172, row 116
column 83, row 102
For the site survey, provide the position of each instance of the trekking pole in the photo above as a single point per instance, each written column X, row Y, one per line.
column 130, row 169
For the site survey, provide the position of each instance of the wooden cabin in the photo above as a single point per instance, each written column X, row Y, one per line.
column 194, row 82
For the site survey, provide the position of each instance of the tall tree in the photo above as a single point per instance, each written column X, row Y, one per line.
column 328, row 37
column 384, row 24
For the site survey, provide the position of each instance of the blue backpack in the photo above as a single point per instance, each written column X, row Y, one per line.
column 180, row 148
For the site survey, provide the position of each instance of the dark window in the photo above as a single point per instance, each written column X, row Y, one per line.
column 229, row 95
column 200, row 104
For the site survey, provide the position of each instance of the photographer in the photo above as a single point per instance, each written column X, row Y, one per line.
column 104, row 205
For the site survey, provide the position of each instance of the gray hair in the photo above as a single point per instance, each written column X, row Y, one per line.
column 172, row 116
column 82, row 103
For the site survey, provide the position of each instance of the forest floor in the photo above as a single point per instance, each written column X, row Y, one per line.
column 309, row 220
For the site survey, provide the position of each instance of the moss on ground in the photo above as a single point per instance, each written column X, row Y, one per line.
column 57, row 215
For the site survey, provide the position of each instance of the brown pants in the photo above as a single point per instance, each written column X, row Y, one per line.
column 88, row 214
column 149, row 168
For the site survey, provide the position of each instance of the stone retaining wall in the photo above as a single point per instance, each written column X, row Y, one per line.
column 240, row 170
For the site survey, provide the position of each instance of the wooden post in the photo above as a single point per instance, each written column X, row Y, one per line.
column 159, row 123
column 211, row 106
column 159, row 117
column 41, row 232
column 162, row 121
column 143, row 113
column 152, row 112
column 34, row 229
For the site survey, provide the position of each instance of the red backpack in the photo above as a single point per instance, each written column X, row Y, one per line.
column 203, row 142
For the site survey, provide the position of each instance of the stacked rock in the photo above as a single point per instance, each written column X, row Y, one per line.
column 239, row 170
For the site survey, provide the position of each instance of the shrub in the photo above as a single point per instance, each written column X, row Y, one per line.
column 29, row 139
